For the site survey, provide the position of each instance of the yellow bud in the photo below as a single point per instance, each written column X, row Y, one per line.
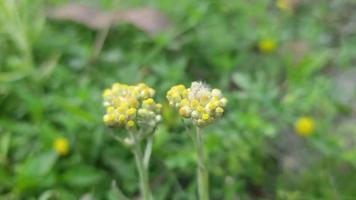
column 205, row 117
column 106, row 93
column 212, row 105
column 204, row 99
column 176, row 96
column 121, row 109
column 180, row 87
column 116, row 86
column 145, row 92
column 133, row 102
column 142, row 112
column 108, row 119
column 130, row 123
column 184, row 111
column 124, row 104
column 148, row 101
column 122, row 119
column 194, row 103
column 184, row 102
column 110, row 109
column 151, row 92
column 219, row 110
column 158, row 106
column 131, row 111
column 200, row 109
column 116, row 102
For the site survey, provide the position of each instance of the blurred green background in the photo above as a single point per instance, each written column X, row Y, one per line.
column 276, row 61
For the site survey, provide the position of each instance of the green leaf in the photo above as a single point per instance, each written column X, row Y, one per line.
column 4, row 146
column 35, row 172
column 115, row 193
column 40, row 165
column 82, row 176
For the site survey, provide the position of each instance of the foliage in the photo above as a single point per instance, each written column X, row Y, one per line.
column 50, row 88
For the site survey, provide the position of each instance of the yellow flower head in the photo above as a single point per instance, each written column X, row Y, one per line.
column 304, row 126
column 130, row 106
column 267, row 45
column 61, row 146
column 199, row 103
column 283, row 4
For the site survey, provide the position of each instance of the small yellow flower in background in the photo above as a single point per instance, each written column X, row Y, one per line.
column 61, row 146
column 304, row 126
column 129, row 106
column 285, row 5
column 199, row 103
column 267, row 45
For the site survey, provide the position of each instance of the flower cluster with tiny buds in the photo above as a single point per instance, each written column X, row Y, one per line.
column 131, row 106
column 199, row 103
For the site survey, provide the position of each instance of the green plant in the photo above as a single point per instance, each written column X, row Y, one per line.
column 132, row 108
column 202, row 106
column 50, row 87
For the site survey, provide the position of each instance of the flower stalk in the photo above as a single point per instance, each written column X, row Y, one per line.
column 202, row 106
column 142, row 167
column 133, row 108
column 203, row 174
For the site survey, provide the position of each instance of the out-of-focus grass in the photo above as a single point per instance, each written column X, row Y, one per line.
column 50, row 89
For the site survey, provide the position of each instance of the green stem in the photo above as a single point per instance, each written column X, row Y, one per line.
column 203, row 176
column 142, row 170
column 148, row 151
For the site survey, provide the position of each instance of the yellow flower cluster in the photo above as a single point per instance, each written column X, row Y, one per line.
column 131, row 106
column 199, row 103
column 304, row 126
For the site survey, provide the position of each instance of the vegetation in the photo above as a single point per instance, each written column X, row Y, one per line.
column 285, row 67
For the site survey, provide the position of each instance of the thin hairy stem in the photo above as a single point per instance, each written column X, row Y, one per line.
column 203, row 176
column 148, row 151
column 142, row 170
